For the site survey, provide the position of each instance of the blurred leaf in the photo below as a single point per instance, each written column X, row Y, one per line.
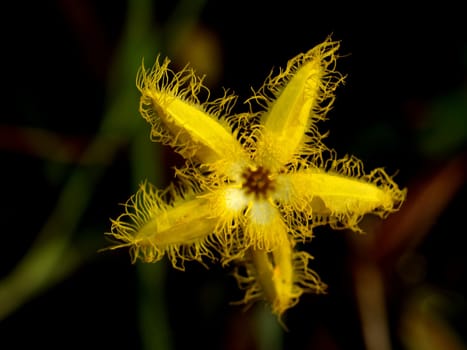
column 423, row 325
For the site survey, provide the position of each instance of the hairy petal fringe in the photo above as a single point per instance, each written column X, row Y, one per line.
column 341, row 195
column 295, row 99
column 164, row 222
column 169, row 102
column 280, row 277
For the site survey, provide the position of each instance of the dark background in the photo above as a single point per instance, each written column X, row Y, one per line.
column 403, row 107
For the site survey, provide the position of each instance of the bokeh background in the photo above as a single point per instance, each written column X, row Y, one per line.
column 73, row 147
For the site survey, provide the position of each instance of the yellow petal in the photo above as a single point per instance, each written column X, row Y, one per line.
column 303, row 94
column 280, row 277
column 340, row 199
column 153, row 228
column 169, row 102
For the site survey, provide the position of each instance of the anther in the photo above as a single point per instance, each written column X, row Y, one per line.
column 258, row 182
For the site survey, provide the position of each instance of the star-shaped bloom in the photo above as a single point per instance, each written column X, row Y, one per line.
column 254, row 184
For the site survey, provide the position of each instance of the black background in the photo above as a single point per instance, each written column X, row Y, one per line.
column 400, row 58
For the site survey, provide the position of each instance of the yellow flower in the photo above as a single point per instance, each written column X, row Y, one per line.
column 255, row 183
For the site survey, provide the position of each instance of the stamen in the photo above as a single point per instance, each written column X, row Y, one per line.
column 258, row 182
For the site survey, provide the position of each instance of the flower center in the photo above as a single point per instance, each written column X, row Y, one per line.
column 258, row 182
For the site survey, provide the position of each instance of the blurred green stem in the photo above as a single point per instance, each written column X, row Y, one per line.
column 46, row 261
column 49, row 259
